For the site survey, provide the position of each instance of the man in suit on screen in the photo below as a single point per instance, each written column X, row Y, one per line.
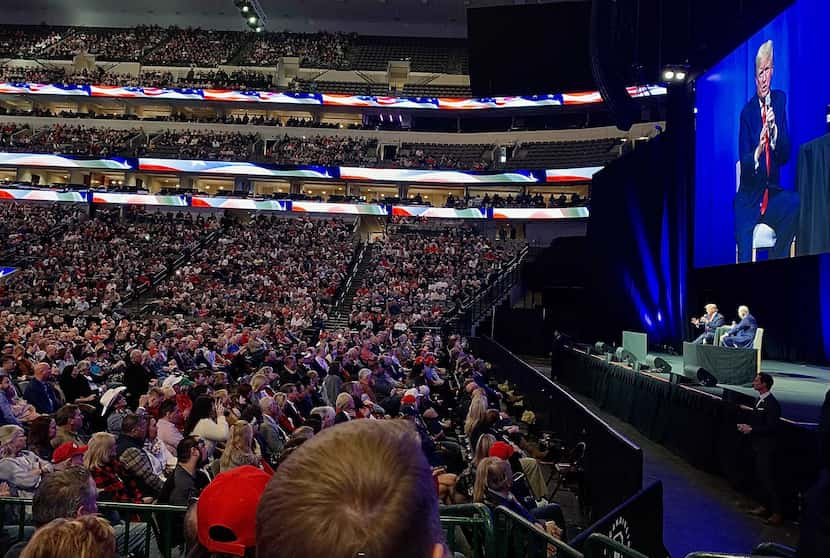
column 764, row 146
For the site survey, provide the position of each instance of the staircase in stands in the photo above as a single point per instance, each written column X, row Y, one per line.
column 340, row 310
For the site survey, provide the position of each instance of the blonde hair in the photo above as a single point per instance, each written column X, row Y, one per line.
column 343, row 400
column 764, row 51
column 378, row 480
column 88, row 536
column 98, row 449
column 8, row 433
column 485, row 442
column 257, row 381
column 476, row 414
column 494, row 474
column 238, row 450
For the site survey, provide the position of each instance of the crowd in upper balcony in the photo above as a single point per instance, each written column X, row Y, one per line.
column 174, row 46
column 323, row 150
column 315, row 50
column 192, row 144
column 70, row 140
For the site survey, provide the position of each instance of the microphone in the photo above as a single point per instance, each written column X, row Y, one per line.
column 767, row 105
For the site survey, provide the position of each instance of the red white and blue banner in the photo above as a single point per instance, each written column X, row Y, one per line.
column 63, row 162
column 20, row 194
column 321, row 99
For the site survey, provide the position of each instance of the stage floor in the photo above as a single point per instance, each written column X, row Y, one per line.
column 800, row 388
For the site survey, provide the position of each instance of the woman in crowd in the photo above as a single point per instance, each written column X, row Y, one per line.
column 160, row 458
column 105, row 468
column 239, row 450
column 41, row 432
column 476, row 422
column 87, row 536
column 19, row 467
column 494, row 480
column 207, row 420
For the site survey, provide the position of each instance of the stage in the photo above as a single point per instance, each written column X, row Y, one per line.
column 699, row 423
column 800, row 388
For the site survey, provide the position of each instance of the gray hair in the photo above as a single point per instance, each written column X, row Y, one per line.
column 764, row 51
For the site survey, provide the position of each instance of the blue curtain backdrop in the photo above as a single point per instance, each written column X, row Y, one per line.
column 637, row 242
column 802, row 71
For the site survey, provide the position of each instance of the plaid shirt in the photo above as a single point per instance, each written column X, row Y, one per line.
column 110, row 485
column 138, row 468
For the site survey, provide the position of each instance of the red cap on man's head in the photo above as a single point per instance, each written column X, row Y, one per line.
column 502, row 450
column 67, row 450
column 226, row 511
column 408, row 400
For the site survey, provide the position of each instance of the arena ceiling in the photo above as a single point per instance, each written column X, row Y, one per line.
column 445, row 18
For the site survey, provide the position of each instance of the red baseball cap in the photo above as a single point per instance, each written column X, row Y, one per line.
column 501, row 450
column 226, row 511
column 408, row 400
column 67, row 450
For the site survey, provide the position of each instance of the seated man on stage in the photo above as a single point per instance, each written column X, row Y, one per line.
column 710, row 323
column 741, row 335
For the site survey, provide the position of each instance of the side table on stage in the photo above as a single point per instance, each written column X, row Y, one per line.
column 813, row 235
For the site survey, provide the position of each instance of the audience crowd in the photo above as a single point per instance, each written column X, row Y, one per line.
column 233, row 374
column 323, row 150
column 315, row 50
column 23, row 225
column 94, row 263
column 285, row 270
column 200, row 47
column 25, row 42
column 419, row 279
column 67, row 139
column 193, row 144
column 123, row 45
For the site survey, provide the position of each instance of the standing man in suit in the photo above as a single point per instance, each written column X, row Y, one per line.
column 763, row 430
column 710, row 322
column 764, row 146
column 741, row 335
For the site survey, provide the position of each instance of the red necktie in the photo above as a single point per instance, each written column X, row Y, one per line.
column 765, row 201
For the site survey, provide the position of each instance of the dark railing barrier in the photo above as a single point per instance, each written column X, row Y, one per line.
column 637, row 523
column 157, row 518
column 519, row 537
column 607, row 482
column 696, row 425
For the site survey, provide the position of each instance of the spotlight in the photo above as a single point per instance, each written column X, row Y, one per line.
column 246, row 8
column 258, row 29
column 252, row 20
column 675, row 74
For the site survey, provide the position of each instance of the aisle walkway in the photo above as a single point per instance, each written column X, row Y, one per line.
column 701, row 511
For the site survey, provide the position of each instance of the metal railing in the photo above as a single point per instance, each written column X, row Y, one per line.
column 473, row 310
column 519, row 537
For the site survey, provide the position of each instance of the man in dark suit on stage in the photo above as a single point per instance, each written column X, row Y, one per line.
column 764, row 146
column 710, row 322
column 763, row 431
column 741, row 335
